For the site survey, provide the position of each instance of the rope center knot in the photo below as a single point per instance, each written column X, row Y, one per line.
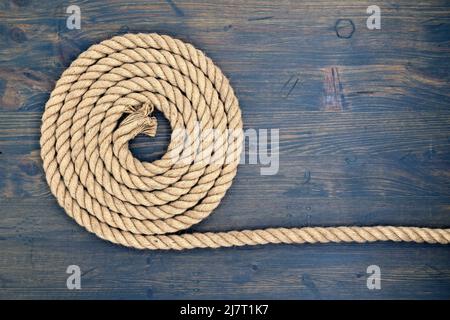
column 140, row 117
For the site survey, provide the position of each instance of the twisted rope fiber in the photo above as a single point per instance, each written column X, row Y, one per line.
column 106, row 97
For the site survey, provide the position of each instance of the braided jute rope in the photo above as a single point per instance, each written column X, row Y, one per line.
column 106, row 97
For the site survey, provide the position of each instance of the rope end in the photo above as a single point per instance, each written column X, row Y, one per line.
column 147, row 125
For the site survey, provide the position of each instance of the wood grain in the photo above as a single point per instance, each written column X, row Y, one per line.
column 364, row 124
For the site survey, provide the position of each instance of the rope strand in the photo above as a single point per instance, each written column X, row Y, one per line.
column 96, row 179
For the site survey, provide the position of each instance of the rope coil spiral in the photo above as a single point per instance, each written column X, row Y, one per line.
column 106, row 97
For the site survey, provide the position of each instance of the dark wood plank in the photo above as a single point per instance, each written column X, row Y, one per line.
column 260, row 45
column 43, row 244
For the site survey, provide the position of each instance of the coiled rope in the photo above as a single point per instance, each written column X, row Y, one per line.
column 105, row 98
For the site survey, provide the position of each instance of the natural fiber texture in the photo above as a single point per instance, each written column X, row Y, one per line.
column 96, row 179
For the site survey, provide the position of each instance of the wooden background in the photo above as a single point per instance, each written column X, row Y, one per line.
column 364, row 125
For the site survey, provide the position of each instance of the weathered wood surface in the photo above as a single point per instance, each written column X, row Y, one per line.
column 364, row 125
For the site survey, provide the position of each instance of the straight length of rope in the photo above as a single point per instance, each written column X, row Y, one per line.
column 106, row 97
